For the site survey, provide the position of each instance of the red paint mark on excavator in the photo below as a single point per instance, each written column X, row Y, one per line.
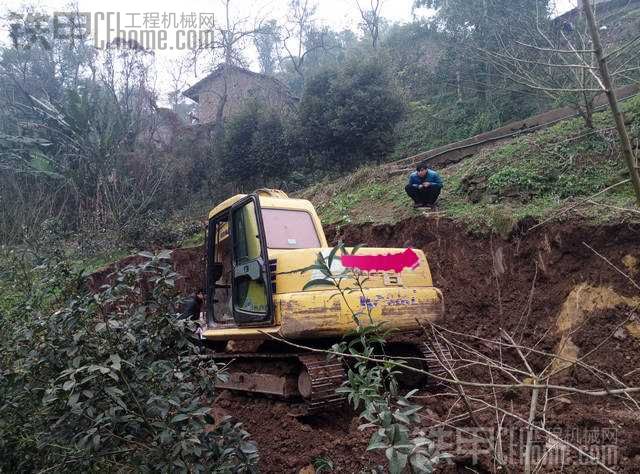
column 390, row 262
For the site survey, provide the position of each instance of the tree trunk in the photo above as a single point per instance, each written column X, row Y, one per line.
column 585, row 110
column 222, row 103
column 625, row 142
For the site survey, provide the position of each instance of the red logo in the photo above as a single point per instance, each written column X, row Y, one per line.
column 390, row 262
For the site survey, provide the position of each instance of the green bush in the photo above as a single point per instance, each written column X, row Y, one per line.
column 372, row 378
column 516, row 179
column 111, row 382
column 348, row 114
column 29, row 282
column 255, row 149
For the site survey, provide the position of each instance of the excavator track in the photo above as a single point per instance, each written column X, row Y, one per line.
column 310, row 377
column 319, row 380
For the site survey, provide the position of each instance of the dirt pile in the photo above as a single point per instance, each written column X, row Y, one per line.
column 577, row 313
column 621, row 352
column 288, row 444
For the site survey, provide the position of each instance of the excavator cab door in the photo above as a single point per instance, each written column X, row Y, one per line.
column 252, row 299
column 218, row 271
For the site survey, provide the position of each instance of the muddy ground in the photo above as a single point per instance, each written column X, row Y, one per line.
column 520, row 285
column 542, row 286
column 546, row 289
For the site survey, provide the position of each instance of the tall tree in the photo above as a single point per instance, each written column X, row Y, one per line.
column 177, row 69
column 226, row 45
column 254, row 150
column 226, row 41
column 371, row 19
column 265, row 42
column 609, row 89
column 348, row 113
column 472, row 26
column 76, row 121
column 557, row 59
column 299, row 28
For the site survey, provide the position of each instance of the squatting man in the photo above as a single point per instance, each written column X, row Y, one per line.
column 424, row 187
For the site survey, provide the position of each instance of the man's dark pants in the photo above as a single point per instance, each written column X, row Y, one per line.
column 426, row 196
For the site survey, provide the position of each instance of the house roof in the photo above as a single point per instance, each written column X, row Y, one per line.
column 193, row 92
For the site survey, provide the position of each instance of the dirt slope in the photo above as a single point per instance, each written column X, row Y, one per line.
column 546, row 285
column 487, row 284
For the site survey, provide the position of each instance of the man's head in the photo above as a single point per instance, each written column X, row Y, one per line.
column 422, row 170
column 200, row 294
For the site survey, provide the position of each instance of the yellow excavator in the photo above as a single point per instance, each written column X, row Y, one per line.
column 256, row 299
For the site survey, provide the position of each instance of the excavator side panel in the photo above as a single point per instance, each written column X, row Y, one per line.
column 320, row 314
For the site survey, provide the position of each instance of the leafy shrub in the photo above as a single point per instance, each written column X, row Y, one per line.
column 112, row 382
column 563, row 161
column 254, row 149
column 152, row 228
column 29, row 282
column 516, row 179
column 348, row 114
column 589, row 181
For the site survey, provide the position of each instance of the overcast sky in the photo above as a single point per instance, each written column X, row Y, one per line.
column 338, row 14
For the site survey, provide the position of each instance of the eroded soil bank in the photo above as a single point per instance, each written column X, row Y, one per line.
column 489, row 282
column 541, row 287
column 549, row 291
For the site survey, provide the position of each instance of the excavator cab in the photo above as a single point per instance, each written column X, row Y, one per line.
column 245, row 235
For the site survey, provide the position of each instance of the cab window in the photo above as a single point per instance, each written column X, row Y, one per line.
column 247, row 239
column 289, row 229
column 250, row 293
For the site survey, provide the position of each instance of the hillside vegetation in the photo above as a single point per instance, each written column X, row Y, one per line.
column 94, row 157
column 531, row 177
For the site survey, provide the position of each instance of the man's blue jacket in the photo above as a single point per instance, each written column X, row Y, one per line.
column 431, row 177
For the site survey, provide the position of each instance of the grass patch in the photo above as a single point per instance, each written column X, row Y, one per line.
column 195, row 240
column 91, row 264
